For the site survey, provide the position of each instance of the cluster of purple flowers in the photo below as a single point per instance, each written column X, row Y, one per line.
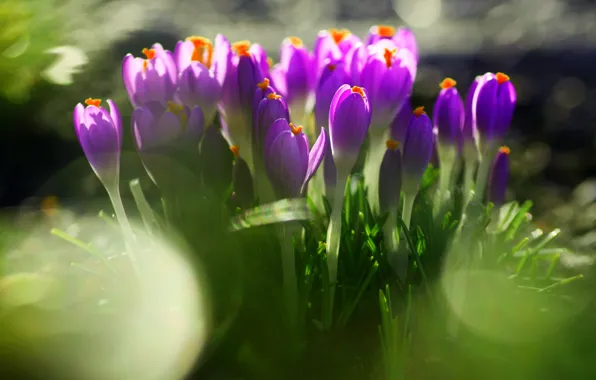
column 353, row 87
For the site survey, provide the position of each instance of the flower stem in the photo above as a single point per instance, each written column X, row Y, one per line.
column 408, row 207
column 397, row 260
column 290, row 281
column 447, row 155
column 129, row 237
column 372, row 165
column 482, row 176
column 333, row 242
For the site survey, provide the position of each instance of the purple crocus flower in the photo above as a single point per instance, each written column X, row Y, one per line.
column 100, row 134
column 399, row 125
column 271, row 108
column 390, row 177
column 403, row 37
column 448, row 115
column 388, row 76
column 493, row 105
column 331, row 46
column 293, row 75
column 468, row 135
column 349, row 120
column 249, row 76
column 355, row 61
column 332, row 78
column 418, row 147
column 499, row 177
column 156, row 127
column 193, row 49
column 288, row 161
column 152, row 79
column 197, row 86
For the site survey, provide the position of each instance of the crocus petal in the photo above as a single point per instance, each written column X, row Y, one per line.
column 418, row 149
column 183, row 54
column 399, row 125
column 499, row 177
column 116, row 119
column 390, row 179
column 196, row 124
column 276, row 128
column 315, row 157
column 222, row 58
column 131, row 68
column 448, row 116
column 339, row 96
column 77, row 116
column 332, row 79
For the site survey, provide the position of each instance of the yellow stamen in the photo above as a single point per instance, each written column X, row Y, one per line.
column 241, row 48
column 273, row 96
column 203, row 51
column 296, row 130
column 505, row 150
column 388, row 55
column 297, row 42
column 358, row 90
column 419, row 111
column 447, row 83
column 264, row 84
column 385, row 31
column 501, row 78
column 93, row 102
column 339, row 35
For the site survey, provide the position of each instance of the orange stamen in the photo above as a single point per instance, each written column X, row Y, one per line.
column 392, row 144
column 241, row 48
column 385, row 31
column 505, row 150
column 273, row 96
column 295, row 129
column 388, row 55
column 203, row 51
column 502, row 78
column 297, row 42
column 264, row 84
column 419, row 111
column 339, row 35
column 447, row 83
column 93, row 102
column 149, row 53
column 235, row 150
column 358, row 90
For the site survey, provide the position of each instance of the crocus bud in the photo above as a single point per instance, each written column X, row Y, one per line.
column 399, row 125
column 469, row 132
column 270, row 109
column 249, row 76
column 156, row 127
column 100, row 134
column 288, row 161
column 499, row 177
column 152, row 79
column 197, row 86
column 418, row 148
column 388, row 76
column 332, row 78
column 349, row 119
column 390, row 177
column 194, row 49
column 263, row 89
column 294, row 76
column 448, row 114
column 493, row 105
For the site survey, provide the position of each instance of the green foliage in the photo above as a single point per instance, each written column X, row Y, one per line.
column 29, row 29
